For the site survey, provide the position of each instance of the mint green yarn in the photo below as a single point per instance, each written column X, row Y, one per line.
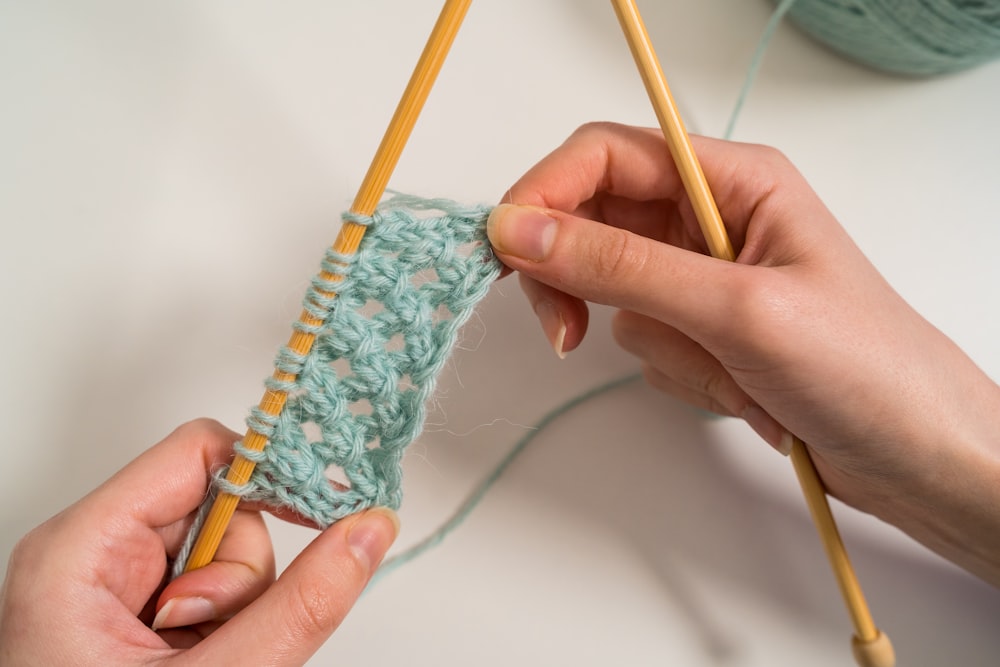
column 908, row 37
column 358, row 398
column 389, row 321
column 755, row 62
column 911, row 37
column 472, row 501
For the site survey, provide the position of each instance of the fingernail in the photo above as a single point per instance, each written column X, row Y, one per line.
column 771, row 431
column 786, row 443
column 178, row 612
column 372, row 535
column 553, row 325
column 521, row 231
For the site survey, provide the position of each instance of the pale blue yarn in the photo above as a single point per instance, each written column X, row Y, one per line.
column 756, row 61
column 419, row 272
column 911, row 37
column 473, row 499
column 413, row 268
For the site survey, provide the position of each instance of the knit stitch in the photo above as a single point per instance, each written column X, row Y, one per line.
column 358, row 398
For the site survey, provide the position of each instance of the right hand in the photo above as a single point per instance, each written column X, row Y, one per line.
column 800, row 335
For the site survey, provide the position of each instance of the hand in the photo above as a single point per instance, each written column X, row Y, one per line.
column 84, row 587
column 800, row 335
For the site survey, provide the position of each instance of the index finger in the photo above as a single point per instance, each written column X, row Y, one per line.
column 170, row 479
column 600, row 158
column 616, row 174
column 624, row 176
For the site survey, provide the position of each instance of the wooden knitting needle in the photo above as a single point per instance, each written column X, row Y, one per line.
column 347, row 242
column 871, row 647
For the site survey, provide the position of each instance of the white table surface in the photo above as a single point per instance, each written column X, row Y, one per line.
column 170, row 174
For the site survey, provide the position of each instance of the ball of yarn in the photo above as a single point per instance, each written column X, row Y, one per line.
column 911, row 37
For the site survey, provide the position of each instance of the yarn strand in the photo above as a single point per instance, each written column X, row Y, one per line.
column 473, row 500
column 755, row 62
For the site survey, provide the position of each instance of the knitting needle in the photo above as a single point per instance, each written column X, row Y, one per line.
column 871, row 647
column 347, row 242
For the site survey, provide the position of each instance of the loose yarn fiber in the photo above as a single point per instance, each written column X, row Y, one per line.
column 358, row 398
column 909, row 37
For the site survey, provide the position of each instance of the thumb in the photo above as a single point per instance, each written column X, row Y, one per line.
column 609, row 265
column 289, row 622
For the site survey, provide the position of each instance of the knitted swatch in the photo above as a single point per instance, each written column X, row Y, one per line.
column 359, row 395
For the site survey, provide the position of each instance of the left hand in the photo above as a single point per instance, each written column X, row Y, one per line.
column 85, row 586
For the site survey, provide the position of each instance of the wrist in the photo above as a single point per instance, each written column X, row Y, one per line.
column 948, row 491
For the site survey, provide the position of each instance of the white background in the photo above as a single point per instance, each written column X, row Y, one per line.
column 170, row 174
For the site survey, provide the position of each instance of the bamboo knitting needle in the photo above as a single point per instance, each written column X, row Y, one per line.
column 871, row 647
column 347, row 242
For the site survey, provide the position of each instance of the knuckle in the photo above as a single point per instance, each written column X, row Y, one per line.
column 626, row 330
column 769, row 158
column 714, row 387
column 771, row 155
column 715, row 406
column 620, row 256
column 22, row 554
column 205, row 435
column 31, row 553
column 594, row 129
column 773, row 165
column 622, row 327
column 200, row 427
column 316, row 611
